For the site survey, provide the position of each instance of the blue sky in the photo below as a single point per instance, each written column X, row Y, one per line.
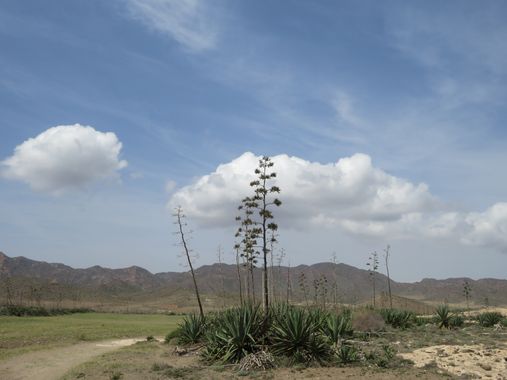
column 419, row 87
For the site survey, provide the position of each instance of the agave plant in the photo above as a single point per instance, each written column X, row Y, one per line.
column 347, row 354
column 191, row 329
column 397, row 318
column 443, row 316
column 456, row 320
column 279, row 310
column 237, row 333
column 318, row 317
column 489, row 319
column 296, row 335
column 337, row 327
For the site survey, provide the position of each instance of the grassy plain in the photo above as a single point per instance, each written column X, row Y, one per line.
column 22, row 334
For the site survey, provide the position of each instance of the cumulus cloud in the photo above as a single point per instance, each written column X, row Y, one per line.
column 186, row 21
column 488, row 228
column 350, row 189
column 64, row 157
column 350, row 194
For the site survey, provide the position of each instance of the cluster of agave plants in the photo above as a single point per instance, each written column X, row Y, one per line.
column 444, row 317
column 299, row 334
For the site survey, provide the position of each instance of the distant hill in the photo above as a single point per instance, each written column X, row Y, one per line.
column 32, row 280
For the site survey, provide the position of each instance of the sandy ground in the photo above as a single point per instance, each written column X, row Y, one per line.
column 476, row 361
column 53, row 363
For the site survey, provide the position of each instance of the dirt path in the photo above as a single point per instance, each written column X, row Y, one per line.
column 53, row 363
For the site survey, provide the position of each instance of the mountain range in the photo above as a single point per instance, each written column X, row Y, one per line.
column 29, row 281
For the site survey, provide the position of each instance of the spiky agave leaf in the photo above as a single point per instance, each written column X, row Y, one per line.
column 297, row 336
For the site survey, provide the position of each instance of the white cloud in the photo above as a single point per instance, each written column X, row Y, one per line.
column 351, row 189
column 64, row 157
column 186, row 21
column 488, row 228
column 351, row 195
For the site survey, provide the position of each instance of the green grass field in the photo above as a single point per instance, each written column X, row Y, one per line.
column 22, row 334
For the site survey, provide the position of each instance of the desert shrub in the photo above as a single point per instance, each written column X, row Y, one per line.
column 443, row 316
column 347, row 354
column 367, row 320
column 489, row 318
column 235, row 333
column 456, row 320
column 296, row 336
column 388, row 351
column 191, row 329
column 337, row 327
column 381, row 358
column 398, row 318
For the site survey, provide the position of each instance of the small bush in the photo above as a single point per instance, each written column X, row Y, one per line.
column 383, row 358
column 489, row 319
column 389, row 351
column 367, row 321
column 398, row 318
column 347, row 354
column 456, row 321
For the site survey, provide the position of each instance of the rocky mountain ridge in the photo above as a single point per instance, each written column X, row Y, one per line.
column 347, row 283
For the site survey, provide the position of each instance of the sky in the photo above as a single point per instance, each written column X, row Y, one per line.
column 386, row 122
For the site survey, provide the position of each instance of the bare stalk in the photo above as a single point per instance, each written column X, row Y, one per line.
column 179, row 221
column 386, row 257
column 239, row 277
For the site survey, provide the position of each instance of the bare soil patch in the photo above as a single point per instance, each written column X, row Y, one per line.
column 476, row 361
